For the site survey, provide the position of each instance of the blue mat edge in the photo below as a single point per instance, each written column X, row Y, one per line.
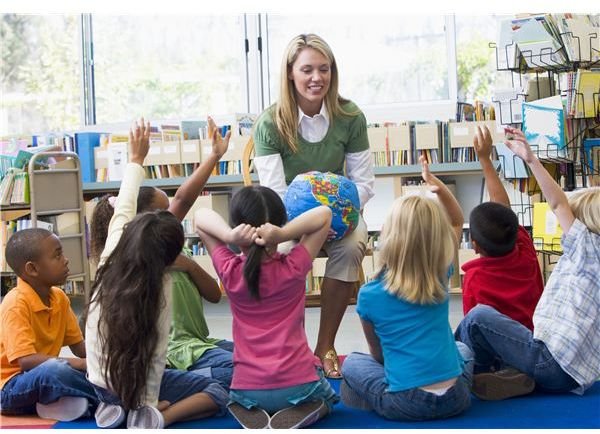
column 533, row 411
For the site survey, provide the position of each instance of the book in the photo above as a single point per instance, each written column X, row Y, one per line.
column 546, row 229
column 85, row 143
column 512, row 165
column 587, row 100
column 191, row 129
column 544, row 127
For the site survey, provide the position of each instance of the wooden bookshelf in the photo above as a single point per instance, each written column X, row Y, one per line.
column 228, row 181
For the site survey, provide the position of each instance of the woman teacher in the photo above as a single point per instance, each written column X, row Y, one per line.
column 312, row 127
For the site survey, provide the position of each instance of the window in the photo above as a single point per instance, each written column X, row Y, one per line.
column 381, row 59
column 41, row 73
column 475, row 60
column 168, row 66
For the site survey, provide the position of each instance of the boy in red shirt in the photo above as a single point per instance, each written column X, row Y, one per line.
column 507, row 276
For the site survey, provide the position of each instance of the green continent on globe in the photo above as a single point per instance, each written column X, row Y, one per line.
column 325, row 189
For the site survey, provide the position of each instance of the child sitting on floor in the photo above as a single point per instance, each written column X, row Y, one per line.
column 277, row 380
column 190, row 347
column 36, row 321
column 563, row 351
column 129, row 317
column 507, row 276
column 415, row 369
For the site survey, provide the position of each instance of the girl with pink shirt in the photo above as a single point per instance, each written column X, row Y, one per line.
column 277, row 380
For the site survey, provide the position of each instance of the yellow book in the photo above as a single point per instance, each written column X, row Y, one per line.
column 546, row 229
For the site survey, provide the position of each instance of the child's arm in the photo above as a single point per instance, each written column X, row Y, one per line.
column 27, row 363
column 78, row 349
column 446, row 198
column 207, row 286
column 482, row 142
column 188, row 192
column 372, row 341
column 554, row 195
column 312, row 227
column 126, row 203
column 214, row 231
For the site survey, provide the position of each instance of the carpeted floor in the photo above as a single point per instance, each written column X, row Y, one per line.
column 532, row 411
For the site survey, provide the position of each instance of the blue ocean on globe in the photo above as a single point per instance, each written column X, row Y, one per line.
column 312, row 189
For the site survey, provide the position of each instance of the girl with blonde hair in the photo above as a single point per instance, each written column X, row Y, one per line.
column 415, row 369
column 311, row 127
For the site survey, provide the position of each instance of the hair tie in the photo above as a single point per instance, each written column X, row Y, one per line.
column 112, row 200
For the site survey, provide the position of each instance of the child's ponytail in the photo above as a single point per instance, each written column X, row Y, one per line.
column 256, row 205
column 252, row 269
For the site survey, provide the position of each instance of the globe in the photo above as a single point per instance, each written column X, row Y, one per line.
column 312, row 189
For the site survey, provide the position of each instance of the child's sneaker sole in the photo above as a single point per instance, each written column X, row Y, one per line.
column 255, row 418
column 65, row 409
column 299, row 416
column 109, row 415
column 495, row 386
column 145, row 417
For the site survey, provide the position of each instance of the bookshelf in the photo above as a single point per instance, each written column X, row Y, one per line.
column 56, row 203
column 560, row 72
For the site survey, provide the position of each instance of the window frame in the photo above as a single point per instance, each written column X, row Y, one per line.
column 255, row 80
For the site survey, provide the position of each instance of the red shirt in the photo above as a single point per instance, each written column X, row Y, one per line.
column 512, row 284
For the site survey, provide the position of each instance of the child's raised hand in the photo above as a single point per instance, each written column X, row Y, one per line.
column 517, row 143
column 482, row 142
column 219, row 143
column 139, row 142
column 267, row 234
column 430, row 179
column 243, row 235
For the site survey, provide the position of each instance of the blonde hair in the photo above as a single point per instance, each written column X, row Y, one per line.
column 417, row 247
column 286, row 108
column 585, row 204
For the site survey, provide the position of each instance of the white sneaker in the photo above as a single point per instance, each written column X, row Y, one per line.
column 145, row 417
column 109, row 415
column 299, row 416
column 64, row 409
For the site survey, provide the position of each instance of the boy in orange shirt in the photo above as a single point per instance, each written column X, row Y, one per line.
column 36, row 321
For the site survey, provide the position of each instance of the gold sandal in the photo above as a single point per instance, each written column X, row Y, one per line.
column 332, row 355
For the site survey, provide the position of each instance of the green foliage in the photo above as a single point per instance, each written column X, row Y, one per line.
column 13, row 34
column 40, row 73
column 474, row 70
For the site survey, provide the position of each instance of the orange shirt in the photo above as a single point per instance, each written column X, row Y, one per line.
column 28, row 326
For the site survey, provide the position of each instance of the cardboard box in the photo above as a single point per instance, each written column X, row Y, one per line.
column 190, row 151
column 377, row 138
column 399, row 138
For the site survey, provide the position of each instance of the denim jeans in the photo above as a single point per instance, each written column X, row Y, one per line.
column 216, row 363
column 273, row 400
column 365, row 379
column 176, row 385
column 45, row 384
column 497, row 340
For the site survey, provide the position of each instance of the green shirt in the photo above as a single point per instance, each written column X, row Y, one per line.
column 346, row 134
column 188, row 339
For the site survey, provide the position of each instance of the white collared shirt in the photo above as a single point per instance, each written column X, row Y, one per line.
column 313, row 129
column 359, row 165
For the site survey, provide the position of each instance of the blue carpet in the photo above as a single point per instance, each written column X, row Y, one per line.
column 533, row 411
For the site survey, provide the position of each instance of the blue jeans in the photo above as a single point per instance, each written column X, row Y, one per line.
column 273, row 400
column 216, row 363
column 45, row 384
column 365, row 379
column 499, row 341
column 176, row 385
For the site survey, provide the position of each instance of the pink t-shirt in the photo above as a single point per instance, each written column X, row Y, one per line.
column 271, row 350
